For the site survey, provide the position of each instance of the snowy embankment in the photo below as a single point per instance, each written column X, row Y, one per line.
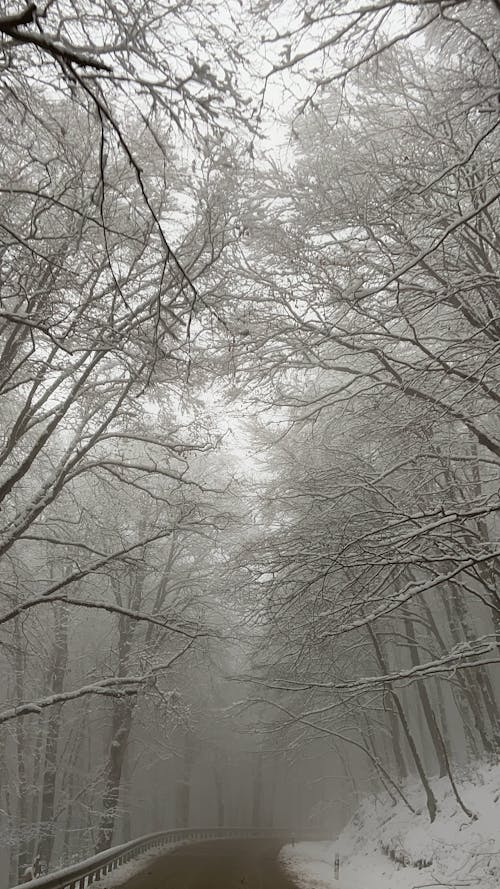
column 456, row 851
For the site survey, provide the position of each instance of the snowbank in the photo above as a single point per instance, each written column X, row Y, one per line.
column 135, row 866
column 454, row 851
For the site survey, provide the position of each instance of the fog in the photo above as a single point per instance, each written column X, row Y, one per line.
column 249, row 435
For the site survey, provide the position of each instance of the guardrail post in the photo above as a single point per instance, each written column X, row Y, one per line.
column 336, row 866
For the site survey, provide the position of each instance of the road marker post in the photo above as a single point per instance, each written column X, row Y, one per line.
column 336, row 866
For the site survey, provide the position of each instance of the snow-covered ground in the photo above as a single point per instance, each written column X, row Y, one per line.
column 463, row 852
column 131, row 868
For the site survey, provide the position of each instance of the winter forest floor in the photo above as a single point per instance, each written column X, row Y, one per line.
column 231, row 864
column 455, row 851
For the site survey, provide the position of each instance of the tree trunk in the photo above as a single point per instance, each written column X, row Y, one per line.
column 441, row 705
column 485, row 686
column 430, row 716
column 219, row 790
column 431, row 799
column 38, row 754
column 469, row 685
column 69, row 791
column 481, row 674
column 488, row 572
column 123, row 709
column 121, row 719
column 60, row 661
column 126, row 827
column 396, row 739
column 370, row 745
column 257, row 790
column 20, row 738
column 183, row 785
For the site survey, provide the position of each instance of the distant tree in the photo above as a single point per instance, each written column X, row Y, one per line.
column 368, row 283
column 99, row 316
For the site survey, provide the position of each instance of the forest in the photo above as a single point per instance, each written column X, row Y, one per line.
column 249, row 427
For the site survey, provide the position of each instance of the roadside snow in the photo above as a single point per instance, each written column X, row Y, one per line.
column 460, row 851
column 132, row 868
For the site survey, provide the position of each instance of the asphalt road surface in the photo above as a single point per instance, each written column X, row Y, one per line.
column 217, row 864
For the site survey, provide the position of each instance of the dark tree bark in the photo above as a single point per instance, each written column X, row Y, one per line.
column 257, row 790
column 22, row 852
column 69, row 786
column 431, row 799
column 59, row 664
column 121, row 721
column 479, row 693
column 430, row 716
column 396, row 738
column 183, row 783
column 468, row 707
column 219, row 789
column 123, row 709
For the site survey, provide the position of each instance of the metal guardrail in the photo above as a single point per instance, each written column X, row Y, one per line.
column 83, row 874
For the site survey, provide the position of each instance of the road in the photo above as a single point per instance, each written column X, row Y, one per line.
column 217, row 864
